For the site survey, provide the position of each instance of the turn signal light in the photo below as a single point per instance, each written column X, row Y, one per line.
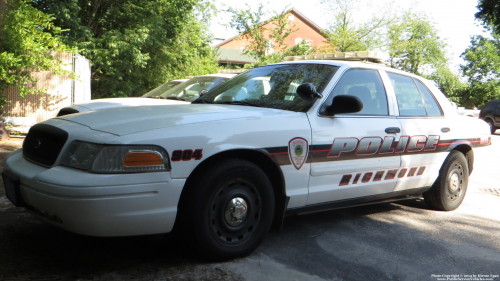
column 143, row 158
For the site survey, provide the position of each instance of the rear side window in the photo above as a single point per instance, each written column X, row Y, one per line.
column 430, row 103
column 414, row 99
column 367, row 85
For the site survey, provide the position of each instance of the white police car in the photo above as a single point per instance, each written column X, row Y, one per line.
column 287, row 138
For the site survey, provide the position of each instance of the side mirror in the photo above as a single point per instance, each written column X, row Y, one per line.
column 203, row 92
column 308, row 92
column 344, row 104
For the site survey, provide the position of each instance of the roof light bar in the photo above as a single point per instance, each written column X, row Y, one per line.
column 369, row 56
column 231, row 71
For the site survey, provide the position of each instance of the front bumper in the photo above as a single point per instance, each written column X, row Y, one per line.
column 98, row 204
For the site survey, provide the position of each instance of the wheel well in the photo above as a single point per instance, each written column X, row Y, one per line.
column 259, row 158
column 469, row 155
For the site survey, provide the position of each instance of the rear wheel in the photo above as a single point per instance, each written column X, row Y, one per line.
column 448, row 192
column 232, row 208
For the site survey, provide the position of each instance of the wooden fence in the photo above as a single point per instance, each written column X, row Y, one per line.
column 60, row 90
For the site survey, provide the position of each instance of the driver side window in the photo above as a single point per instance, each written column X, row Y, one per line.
column 366, row 85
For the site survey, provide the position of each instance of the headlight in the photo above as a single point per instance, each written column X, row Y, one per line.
column 98, row 158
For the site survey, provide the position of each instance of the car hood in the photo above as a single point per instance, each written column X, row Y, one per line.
column 128, row 120
column 119, row 102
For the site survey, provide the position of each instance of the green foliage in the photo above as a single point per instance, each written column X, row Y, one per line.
column 414, row 46
column 489, row 14
column 262, row 40
column 482, row 59
column 135, row 45
column 449, row 83
column 345, row 35
column 267, row 43
column 28, row 38
column 482, row 70
column 300, row 49
column 476, row 94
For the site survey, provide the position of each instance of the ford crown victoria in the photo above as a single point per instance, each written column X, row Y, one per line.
column 312, row 133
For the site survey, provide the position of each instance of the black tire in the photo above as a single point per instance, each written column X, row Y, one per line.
column 220, row 232
column 492, row 126
column 448, row 191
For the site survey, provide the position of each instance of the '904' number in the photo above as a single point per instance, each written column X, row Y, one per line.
column 186, row 155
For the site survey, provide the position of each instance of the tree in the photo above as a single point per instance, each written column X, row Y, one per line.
column 489, row 14
column 135, row 45
column 346, row 35
column 482, row 70
column 482, row 59
column 28, row 36
column 449, row 83
column 414, row 46
column 267, row 38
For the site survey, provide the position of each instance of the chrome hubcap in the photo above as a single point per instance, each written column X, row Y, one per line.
column 236, row 211
column 454, row 182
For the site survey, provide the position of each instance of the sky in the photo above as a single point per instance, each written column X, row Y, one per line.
column 454, row 19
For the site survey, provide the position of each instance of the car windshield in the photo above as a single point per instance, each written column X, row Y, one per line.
column 190, row 90
column 161, row 89
column 273, row 86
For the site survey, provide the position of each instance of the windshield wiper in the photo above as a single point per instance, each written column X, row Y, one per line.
column 238, row 102
column 176, row 98
column 201, row 101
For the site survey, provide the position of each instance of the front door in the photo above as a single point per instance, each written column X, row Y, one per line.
column 355, row 155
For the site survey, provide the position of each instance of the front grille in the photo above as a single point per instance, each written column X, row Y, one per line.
column 44, row 143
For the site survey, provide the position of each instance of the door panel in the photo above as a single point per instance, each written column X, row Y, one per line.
column 424, row 127
column 422, row 152
column 355, row 155
column 348, row 159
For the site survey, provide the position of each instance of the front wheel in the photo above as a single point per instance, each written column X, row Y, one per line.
column 448, row 192
column 232, row 209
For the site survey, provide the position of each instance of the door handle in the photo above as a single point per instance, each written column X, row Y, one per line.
column 445, row 130
column 393, row 130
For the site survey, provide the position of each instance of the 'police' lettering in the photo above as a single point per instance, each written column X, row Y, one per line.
column 416, row 143
column 388, row 145
column 342, row 145
column 368, row 146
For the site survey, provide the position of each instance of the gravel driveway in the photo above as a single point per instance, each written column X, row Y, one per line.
column 403, row 241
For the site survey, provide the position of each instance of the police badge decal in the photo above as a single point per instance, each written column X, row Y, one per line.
column 298, row 149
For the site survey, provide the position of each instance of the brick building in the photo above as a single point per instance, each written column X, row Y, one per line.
column 230, row 49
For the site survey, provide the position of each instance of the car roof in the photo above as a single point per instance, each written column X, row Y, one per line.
column 356, row 64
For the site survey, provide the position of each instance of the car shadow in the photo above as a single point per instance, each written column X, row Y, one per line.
column 40, row 249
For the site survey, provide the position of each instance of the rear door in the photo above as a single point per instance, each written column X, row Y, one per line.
column 353, row 155
column 424, row 128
